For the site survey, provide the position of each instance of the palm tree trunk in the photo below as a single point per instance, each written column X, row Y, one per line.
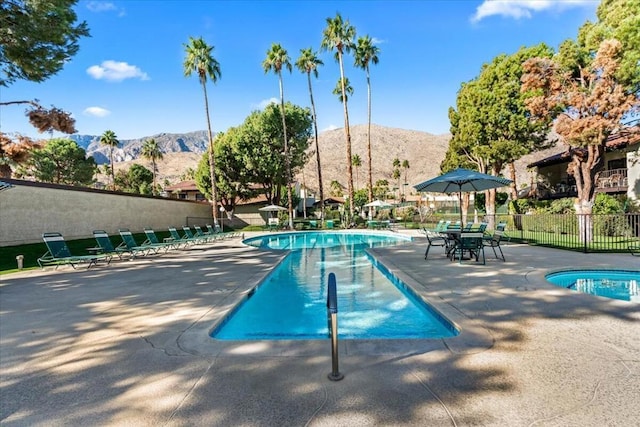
column 153, row 164
column 113, row 174
column 212, row 160
column 514, row 185
column 348, row 137
column 370, row 186
column 287, row 164
column 315, row 130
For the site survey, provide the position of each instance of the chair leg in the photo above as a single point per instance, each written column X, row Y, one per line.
column 502, row 254
column 426, row 254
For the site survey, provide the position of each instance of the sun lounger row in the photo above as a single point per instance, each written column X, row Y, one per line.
column 58, row 252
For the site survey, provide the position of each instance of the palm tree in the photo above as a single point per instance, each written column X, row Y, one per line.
column 151, row 151
column 110, row 139
column 338, row 36
column 365, row 53
column 308, row 62
column 277, row 57
column 356, row 161
column 199, row 59
column 405, row 166
column 343, row 91
column 396, row 172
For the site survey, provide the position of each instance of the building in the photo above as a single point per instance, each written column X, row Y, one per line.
column 621, row 173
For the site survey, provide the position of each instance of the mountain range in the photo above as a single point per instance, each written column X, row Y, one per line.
column 423, row 151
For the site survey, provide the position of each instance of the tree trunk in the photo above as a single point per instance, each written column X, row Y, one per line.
column 347, row 132
column 490, row 208
column 514, row 185
column 5, row 170
column 584, row 210
column 287, row 165
column 212, row 160
column 464, row 207
column 315, row 130
column 370, row 186
column 585, row 171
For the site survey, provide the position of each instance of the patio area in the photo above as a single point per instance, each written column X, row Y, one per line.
column 127, row 344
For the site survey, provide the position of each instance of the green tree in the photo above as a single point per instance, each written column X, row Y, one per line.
column 199, row 59
column 257, row 145
column 491, row 126
column 151, row 151
column 356, row 161
column 308, row 62
column 365, row 53
column 37, row 38
column 336, row 189
column 59, row 161
column 380, row 189
column 189, row 173
column 620, row 20
column 339, row 36
column 277, row 58
column 234, row 179
column 343, row 91
column 110, row 139
column 137, row 180
column 589, row 104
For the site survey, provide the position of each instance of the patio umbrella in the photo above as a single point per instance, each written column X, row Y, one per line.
column 461, row 180
column 272, row 208
column 378, row 204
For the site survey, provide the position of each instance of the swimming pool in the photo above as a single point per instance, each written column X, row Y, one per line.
column 617, row 284
column 291, row 302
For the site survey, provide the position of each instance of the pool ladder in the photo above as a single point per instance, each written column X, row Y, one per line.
column 332, row 321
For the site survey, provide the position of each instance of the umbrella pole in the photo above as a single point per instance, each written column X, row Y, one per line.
column 460, row 200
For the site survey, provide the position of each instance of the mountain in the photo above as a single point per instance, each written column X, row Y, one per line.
column 191, row 142
column 423, row 150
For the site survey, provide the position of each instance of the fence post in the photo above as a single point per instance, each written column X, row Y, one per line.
column 332, row 317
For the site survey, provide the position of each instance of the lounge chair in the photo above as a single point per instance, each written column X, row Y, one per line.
column 105, row 245
column 182, row 239
column 58, row 253
column 152, row 240
column 220, row 234
column 634, row 249
column 210, row 237
column 198, row 239
column 129, row 242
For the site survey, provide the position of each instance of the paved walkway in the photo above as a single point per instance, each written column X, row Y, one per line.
column 127, row 344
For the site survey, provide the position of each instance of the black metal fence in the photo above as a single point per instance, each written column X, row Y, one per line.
column 585, row 233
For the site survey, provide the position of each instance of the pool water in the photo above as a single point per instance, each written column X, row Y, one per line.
column 291, row 302
column 617, row 284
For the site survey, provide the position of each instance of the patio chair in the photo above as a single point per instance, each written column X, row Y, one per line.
column 105, row 245
column 58, row 253
column 129, row 242
column 435, row 239
column 210, row 237
column 469, row 242
column 634, row 249
column 494, row 243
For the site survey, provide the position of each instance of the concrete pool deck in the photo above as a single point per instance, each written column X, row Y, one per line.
column 127, row 344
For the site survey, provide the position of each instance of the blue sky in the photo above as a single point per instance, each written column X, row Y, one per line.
column 128, row 76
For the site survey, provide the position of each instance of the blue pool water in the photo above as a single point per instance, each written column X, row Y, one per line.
column 618, row 284
column 291, row 302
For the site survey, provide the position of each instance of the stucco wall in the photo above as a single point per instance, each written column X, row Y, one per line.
column 28, row 211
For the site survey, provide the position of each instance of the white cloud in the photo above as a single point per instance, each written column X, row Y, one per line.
column 96, row 112
column 104, row 6
column 263, row 104
column 114, row 71
column 328, row 128
column 518, row 9
column 377, row 41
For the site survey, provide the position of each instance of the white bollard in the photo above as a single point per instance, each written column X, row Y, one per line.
column 20, row 259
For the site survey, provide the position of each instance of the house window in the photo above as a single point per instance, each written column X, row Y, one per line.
column 182, row 196
column 617, row 163
column 199, row 197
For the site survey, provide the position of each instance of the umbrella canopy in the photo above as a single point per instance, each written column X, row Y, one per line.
column 378, row 204
column 272, row 208
column 461, row 180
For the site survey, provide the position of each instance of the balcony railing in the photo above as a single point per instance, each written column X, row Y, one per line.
column 613, row 179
